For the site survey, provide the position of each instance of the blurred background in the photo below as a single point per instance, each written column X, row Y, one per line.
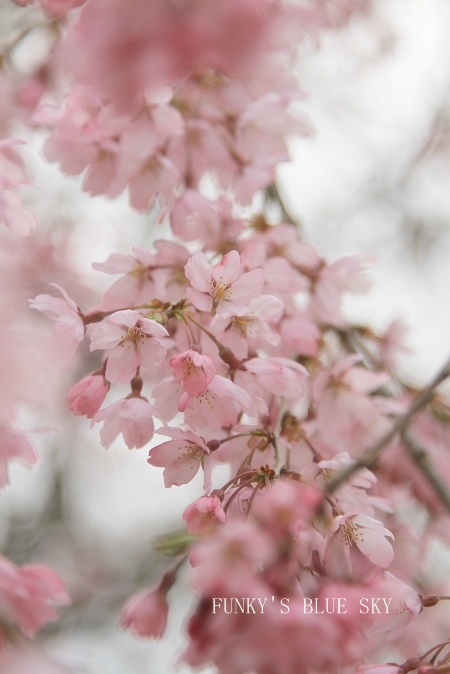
column 374, row 176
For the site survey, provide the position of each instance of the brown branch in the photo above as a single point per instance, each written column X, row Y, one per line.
column 369, row 458
column 422, row 460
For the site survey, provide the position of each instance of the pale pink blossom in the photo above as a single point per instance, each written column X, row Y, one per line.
column 405, row 605
column 131, row 341
column 168, row 42
column 146, row 613
column 132, row 417
column 357, row 532
column 346, row 410
column 352, row 494
column 181, row 457
column 14, row 446
column 88, row 395
column 146, row 275
column 279, row 376
column 222, row 287
column 219, row 406
column 15, row 215
column 27, row 595
column 343, row 276
column 251, row 326
column 193, row 371
column 193, row 216
column 202, row 516
column 26, row 657
column 300, row 335
column 68, row 331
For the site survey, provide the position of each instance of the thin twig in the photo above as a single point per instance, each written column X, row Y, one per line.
column 274, row 194
column 279, row 460
column 369, row 458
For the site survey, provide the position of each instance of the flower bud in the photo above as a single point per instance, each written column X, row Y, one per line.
column 86, row 397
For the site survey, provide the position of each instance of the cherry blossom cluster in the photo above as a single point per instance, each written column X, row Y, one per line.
column 248, row 353
column 229, row 341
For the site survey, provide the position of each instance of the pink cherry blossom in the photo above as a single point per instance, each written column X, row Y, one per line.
column 27, row 595
column 251, row 326
column 147, row 275
column 352, row 532
column 181, row 457
column 88, row 395
column 15, row 215
column 219, row 406
column 14, row 446
column 406, row 605
column 132, row 417
column 193, row 371
column 131, row 341
column 222, row 287
column 68, row 331
column 202, row 515
column 146, row 613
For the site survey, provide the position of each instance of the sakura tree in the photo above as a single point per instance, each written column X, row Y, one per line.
column 221, row 350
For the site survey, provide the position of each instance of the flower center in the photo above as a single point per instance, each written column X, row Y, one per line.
column 220, row 292
column 351, row 534
column 133, row 335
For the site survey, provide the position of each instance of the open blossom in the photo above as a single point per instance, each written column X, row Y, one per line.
column 219, row 406
column 222, row 287
column 202, row 515
column 131, row 341
column 133, row 417
column 146, row 613
column 181, row 457
column 405, row 605
column 68, row 331
column 27, row 595
column 250, row 327
column 146, row 274
column 193, row 371
column 360, row 532
column 14, row 446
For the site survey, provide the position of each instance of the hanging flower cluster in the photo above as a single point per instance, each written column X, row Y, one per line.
column 230, row 340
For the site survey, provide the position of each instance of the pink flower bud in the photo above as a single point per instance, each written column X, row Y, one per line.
column 146, row 613
column 87, row 396
column 203, row 515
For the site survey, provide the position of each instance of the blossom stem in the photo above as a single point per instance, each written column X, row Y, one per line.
column 235, row 493
column 238, row 477
column 279, row 461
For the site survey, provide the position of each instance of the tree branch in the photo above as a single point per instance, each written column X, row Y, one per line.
column 422, row 460
column 369, row 458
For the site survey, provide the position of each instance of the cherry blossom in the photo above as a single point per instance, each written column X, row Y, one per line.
column 222, row 287
column 27, row 595
column 131, row 341
column 203, row 515
column 68, row 331
column 361, row 532
column 132, row 417
column 193, row 371
column 313, row 454
column 181, row 457
column 146, row 614
column 14, row 446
